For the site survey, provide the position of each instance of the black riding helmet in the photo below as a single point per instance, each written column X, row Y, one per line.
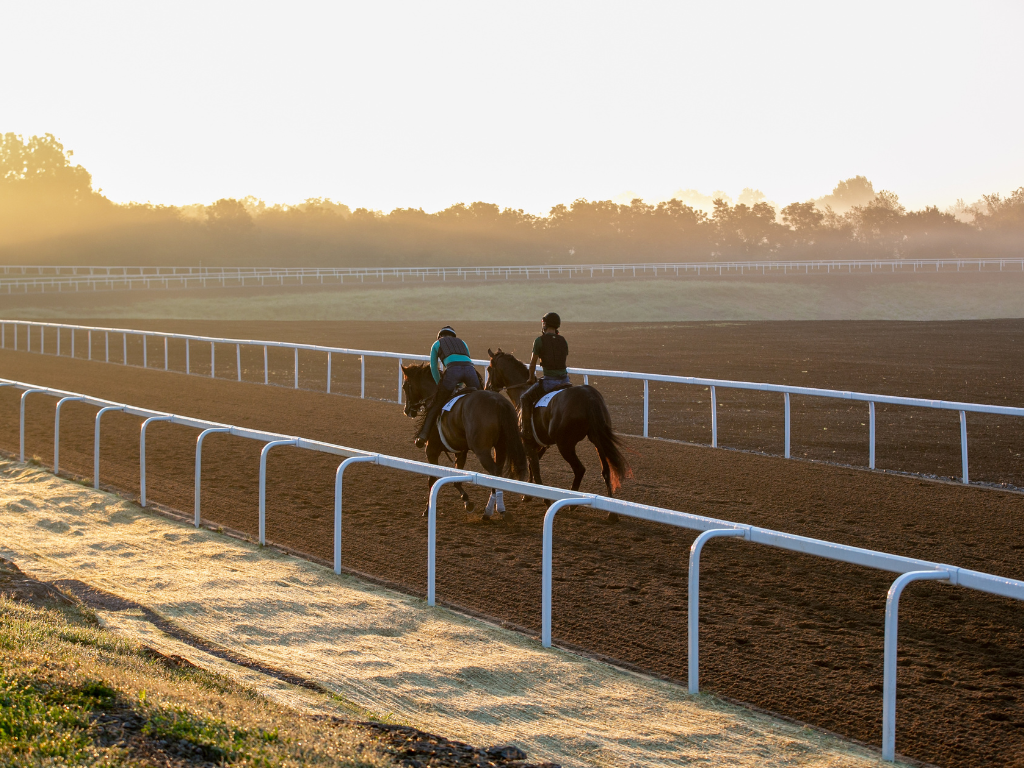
column 447, row 331
column 552, row 320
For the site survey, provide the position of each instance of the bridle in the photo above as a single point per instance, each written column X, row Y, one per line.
column 414, row 407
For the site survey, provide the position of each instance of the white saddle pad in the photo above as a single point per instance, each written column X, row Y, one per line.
column 450, row 403
column 547, row 398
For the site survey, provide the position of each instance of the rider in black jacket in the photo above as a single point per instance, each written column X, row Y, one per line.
column 550, row 349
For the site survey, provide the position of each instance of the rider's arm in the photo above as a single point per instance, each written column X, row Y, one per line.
column 433, row 362
column 534, row 360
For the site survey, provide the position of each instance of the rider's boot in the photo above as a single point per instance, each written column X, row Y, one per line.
column 429, row 419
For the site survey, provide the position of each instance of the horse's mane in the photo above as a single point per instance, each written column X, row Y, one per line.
column 417, row 366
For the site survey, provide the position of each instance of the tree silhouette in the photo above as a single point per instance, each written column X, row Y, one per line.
column 49, row 212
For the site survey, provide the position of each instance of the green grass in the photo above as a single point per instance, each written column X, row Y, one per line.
column 75, row 694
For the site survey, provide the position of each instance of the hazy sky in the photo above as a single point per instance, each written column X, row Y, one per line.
column 385, row 104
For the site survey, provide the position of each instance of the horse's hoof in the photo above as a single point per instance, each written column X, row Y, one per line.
column 612, row 518
column 506, row 517
column 470, row 507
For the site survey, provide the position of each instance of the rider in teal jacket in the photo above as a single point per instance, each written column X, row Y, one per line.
column 451, row 352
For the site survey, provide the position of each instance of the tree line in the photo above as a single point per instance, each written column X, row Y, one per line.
column 50, row 213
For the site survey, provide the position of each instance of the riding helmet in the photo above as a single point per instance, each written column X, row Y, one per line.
column 446, row 331
column 551, row 320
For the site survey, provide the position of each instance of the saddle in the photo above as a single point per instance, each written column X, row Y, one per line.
column 544, row 399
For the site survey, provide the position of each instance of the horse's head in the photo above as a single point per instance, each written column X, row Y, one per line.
column 418, row 388
column 504, row 370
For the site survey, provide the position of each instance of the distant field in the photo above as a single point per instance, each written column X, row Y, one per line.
column 885, row 297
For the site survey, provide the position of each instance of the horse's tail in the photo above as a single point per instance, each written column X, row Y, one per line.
column 599, row 431
column 515, row 453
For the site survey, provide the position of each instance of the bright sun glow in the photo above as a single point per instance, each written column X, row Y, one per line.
column 522, row 104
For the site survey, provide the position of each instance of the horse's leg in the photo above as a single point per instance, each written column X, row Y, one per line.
column 460, row 462
column 433, row 452
column 568, row 451
column 606, row 474
column 534, row 455
column 606, row 471
column 494, row 502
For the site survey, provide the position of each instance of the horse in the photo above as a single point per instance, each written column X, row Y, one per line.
column 573, row 414
column 480, row 421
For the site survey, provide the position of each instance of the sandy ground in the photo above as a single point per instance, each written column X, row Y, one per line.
column 380, row 650
column 842, row 297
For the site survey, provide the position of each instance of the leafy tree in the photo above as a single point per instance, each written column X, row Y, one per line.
column 803, row 217
column 228, row 214
column 41, row 167
column 1000, row 213
column 848, row 194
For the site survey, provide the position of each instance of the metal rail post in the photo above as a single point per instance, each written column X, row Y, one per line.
column 199, row 463
column 124, row 349
column 72, row 342
column 400, row 381
column 892, row 618
column 142, row 455
column 693, row 603
column 188, row 358
column 145, row 351
column 714, row 419
column 56, row 429
column 88, row 341
column 263, row 483
column 432, row 527
column 238, row 360
column 646, row 399
column 213, row 360
column 165, row 353
column 96, row 443
column 787, row 426
column 963, row 445
column 58, row 341
column 329, row 357
column 25, row 394
column 296, row 367
column 362, row 375
column 106, row 346
column 545, row 584
column 338, row 475
column 871, row 435
column 266, row 370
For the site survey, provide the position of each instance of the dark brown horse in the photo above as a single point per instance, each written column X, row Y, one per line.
column 573, row 414
column 482, row 422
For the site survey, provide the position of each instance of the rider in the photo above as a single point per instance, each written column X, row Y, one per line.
column 453, row 354
column 550, row 349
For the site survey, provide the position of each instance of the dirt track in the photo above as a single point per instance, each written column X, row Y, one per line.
column 795, row 635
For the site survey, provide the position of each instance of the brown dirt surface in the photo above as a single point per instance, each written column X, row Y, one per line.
column 794, row 635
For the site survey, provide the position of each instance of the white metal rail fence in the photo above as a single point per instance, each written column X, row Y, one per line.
column 12, row 337
column 44, row 279
column 910, row 569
